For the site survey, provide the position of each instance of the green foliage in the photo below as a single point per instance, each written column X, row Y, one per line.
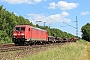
column 86, row 32
column 58, row 33
column 4, row 38
column 7, row 22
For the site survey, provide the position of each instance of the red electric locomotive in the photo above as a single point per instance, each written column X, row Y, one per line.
column 26, row 34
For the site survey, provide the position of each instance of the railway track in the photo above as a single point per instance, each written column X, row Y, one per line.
column 7, row 45
column 12, row 47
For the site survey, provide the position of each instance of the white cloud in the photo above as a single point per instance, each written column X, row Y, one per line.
column 85, row 13
column 63, row 5
column 51, row 18
column 52, row 5
column 21, row 1
column 15, row 13
column 37, row 1
column 65, row 13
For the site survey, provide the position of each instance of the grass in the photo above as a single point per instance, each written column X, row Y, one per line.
column 88, row 51
column 72, row 51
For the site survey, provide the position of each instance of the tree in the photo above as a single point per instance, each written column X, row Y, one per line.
column 8, row 20
column 1, row 7
column 37, row 25
column 86, row 32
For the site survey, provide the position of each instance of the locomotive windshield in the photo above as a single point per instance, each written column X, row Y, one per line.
column 20, row 28
column 23, row 28
column 17, row 28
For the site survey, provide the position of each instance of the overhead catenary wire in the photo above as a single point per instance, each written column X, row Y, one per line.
column 73, row 26
column 39, row 11
column 63, row 22
column 49, row 13
column 69, row 25
column 36, row 8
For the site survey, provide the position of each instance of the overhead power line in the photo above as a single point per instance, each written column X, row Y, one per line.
column 36, row 8
column 73, row 26
column 69, row 25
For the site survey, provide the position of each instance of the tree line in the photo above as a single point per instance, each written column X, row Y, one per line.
column 8, row 20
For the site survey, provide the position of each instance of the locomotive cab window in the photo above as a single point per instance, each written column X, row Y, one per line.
column 22, row 28
column 29, row 29
column 17, row 28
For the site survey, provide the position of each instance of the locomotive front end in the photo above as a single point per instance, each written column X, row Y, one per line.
column 19, row 35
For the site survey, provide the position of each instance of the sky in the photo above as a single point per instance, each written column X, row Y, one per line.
column 52, row 12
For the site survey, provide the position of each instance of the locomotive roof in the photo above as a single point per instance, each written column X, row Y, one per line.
column 30, row 26
column 38, row 28
column 21, row 25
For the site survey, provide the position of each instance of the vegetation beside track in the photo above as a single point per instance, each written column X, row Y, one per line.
column 79, row 50
column 73, row 51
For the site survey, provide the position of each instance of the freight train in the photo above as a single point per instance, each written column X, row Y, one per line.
column 28, row 35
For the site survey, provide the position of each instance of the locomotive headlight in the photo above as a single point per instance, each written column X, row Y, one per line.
column 23, row 35
column 14, row 34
